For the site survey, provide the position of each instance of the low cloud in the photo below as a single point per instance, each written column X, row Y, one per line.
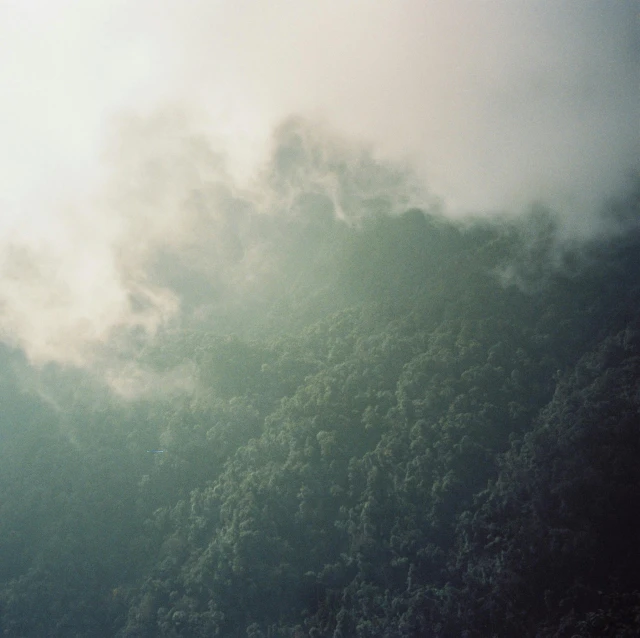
column 171, row 239
column 156, row 154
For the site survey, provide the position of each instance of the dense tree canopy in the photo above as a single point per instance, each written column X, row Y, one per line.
column 437, row 436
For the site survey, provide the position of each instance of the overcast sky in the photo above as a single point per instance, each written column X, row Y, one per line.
column 493, row 103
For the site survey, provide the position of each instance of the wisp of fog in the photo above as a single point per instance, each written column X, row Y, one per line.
column 138, row 136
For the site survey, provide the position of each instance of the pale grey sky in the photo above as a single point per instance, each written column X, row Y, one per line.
column 494, row 103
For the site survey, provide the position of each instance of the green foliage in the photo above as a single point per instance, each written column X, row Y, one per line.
column 448, row 447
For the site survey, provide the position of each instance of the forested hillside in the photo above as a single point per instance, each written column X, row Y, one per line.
column 427, row 428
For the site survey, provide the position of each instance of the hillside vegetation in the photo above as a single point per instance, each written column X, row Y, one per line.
column 427, row 428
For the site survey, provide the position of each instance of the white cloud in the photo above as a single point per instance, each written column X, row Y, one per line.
column 495, row 103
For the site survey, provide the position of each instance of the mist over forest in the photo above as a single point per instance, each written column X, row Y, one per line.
column 336, row 344
column 400, row 425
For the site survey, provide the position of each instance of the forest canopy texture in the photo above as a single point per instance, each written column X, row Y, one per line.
column 420, row 428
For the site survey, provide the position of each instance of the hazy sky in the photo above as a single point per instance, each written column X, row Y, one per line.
column 494, row 104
